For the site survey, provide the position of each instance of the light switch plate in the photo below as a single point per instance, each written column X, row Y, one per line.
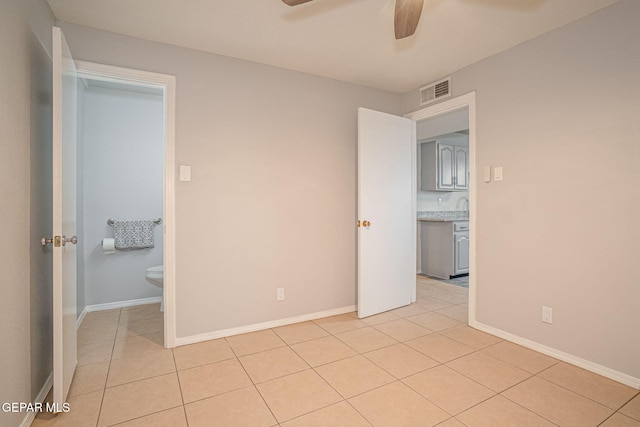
column 185, row 173
column 497, row 173
column 487, row 174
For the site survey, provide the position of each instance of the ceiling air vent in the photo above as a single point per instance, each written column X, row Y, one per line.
column 435, row 91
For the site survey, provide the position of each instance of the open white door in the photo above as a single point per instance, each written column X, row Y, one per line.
column 386, row 236
column 64, row 218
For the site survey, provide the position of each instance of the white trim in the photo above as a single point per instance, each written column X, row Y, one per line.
column 262, row 326
column 560, row 355
column 80, row 318
column 168, row 84
column 467, row 100
column 414, row 202
column 28, row 419
column 122, row 304
column 110, row 73
column 169, row 261
column 117, row 304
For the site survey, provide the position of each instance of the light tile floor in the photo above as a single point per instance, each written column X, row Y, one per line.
column 418, row 365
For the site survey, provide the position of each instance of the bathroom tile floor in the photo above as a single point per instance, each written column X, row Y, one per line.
column 418, row 365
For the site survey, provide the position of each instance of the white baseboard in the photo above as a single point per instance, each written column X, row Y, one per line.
column 113, row 305
column 262, row 326
column 30, row 416
column 560, row 355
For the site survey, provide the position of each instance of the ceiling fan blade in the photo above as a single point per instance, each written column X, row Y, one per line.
column 407, row 17
column 295, row 2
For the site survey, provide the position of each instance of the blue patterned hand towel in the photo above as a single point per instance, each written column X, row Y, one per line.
column 130, row 235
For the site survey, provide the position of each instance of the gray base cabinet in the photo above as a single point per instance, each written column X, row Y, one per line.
column 461, row 253
column 444, row 247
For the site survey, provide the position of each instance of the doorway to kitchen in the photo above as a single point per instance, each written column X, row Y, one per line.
column 446, row 199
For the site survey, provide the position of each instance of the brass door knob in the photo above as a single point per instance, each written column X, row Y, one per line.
column 55, row 240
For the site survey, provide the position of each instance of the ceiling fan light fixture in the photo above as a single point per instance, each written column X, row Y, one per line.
column 406, row 18
column 294, row 2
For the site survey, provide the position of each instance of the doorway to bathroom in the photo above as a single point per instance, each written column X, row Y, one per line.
column 126, row 173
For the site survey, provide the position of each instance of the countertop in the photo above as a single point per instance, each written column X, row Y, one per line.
column 443, row 216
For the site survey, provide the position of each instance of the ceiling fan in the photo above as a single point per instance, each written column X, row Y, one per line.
column 406, row 18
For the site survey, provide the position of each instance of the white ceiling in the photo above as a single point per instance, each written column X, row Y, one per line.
column 349, row 40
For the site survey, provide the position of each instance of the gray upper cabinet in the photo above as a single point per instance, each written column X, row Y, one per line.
column 461, row 168
column 444, row 167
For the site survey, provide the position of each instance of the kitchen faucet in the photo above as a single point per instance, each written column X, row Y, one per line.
column 465, row 203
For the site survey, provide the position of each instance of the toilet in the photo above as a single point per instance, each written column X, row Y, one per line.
column 155, row 276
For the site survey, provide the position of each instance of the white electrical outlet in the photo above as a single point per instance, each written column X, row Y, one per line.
column 547, row 314
column 280, row 294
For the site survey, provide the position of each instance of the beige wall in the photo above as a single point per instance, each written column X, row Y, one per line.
column 560, row 114
column 272, row 200
column 14, row 190
column 25, row 28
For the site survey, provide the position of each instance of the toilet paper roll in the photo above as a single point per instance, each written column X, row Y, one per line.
column 109, row 246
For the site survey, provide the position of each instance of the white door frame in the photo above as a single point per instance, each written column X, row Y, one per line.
column 168, row 85
column 463, row 101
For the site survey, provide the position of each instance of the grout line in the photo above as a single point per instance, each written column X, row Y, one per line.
column 548, row 367
column 184, row 408
column 184, row 411
column 434, row 403
column 360, row 413
column 576, row 392
column 142, row 416
column 317, row 409
column 104, row 390
column 637, row 394
column 254, row 385
column 218, row 394
column 175, row 365
column 605, row 420
column 524, row 407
